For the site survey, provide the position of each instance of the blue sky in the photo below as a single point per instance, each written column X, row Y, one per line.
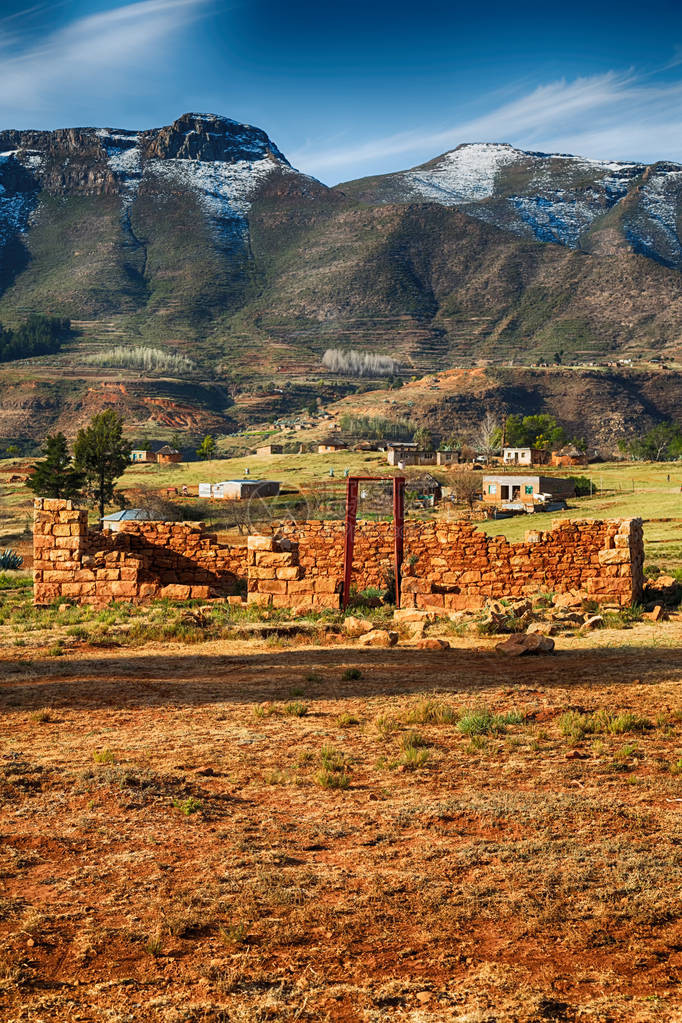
column 354, row 88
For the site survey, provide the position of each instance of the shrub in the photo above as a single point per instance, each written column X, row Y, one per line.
column 347, row 720
column 296, row 709
column 334, row 773
column 482, row 721
column 428, row 712
column 351, row 675
column 9, row 559
column 103, row 756
column 188, row 806
column 576, row 726
column 414, row 758
column 327, row 779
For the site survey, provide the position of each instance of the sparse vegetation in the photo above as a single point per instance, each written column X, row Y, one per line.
column 151, row 360
column 359, row 364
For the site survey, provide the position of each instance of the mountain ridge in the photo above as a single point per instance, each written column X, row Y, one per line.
column 201, row 239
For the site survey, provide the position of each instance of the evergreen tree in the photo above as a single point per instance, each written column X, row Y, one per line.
column 102, row 454
column 206, row 449
column 55, row 476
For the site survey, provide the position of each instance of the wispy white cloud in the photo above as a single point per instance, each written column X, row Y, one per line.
column 87, row 57
column 616, row 115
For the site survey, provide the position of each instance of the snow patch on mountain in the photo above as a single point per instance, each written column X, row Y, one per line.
column 653, row 230
column 15, row 206
column 563, row 197
column 124, row 159
column 224, row 190
column 467, row 174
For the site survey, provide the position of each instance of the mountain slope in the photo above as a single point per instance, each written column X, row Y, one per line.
column 552, row 197
column 199, row 238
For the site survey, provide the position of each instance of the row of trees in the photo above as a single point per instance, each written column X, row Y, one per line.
column 38, row 335
column 663, row 443
column 100, row 455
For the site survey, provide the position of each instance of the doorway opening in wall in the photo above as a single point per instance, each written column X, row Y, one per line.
column 352, row 484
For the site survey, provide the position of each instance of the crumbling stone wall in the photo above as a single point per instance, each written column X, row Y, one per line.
column 142, row 561
column 452, row 565
column 448, row 565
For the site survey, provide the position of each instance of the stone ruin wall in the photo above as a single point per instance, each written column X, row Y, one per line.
column 142, row 561
column 448, row 565
column 454, row 565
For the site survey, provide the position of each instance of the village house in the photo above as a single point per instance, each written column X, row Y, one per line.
column 402, row 453
column 525, row 491
column 113, row 522
column 269, row 449
column 168, row 455
column 569, row 455
column 524, row 456
column 426, row 490
column 141, row 456
column 331, row 444
column 447, row 457
column 239, row 490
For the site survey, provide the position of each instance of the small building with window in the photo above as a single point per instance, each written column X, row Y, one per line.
column 524, row 456
column 525, row 491
column 142, row 456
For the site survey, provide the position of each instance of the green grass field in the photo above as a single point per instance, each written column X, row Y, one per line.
column 625, row 490
column 651, row 491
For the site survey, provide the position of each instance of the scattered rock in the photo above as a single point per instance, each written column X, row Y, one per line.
column 593, row 622
column 573, row 598
column 575, row 754
column 541, row 628
column 655, row 614
column 433, row 644
column 525, row 643
column 355, row 627
column 379, row 637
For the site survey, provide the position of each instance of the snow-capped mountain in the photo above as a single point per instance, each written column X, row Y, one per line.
column 201, row 237
column 552, row 197
column 222, row 162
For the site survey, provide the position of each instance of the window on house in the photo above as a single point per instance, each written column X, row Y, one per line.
column 504, row 492
column 492, row 489
column 529, row 488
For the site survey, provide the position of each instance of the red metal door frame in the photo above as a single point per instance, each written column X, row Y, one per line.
column 351, row 520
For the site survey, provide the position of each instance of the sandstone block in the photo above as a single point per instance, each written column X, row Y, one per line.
column 355, row 627
column 172, row 591
column 432, row 643
column 617, row 556
column 379, row 637
column 260, row 543
column 293, row 572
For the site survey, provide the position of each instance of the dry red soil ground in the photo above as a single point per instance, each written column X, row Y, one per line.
column 171, row 850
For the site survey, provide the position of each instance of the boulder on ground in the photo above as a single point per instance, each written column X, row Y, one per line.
column 533, row 643
column 379, row 637
column 541, row 628
column 593, row 622
column 432, row 643
column 354, row 627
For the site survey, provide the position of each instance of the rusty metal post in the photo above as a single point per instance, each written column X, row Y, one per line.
column 399, row 530
column 349, row 541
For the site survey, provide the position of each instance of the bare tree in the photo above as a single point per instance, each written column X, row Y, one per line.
column 467, row 487
column 487, row 435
